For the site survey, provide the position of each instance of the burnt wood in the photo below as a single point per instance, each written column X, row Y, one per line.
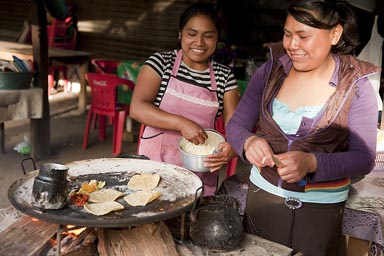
column 27, row 236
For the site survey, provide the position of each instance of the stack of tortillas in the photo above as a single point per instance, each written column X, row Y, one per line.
column 143, row 184
column 103, row 201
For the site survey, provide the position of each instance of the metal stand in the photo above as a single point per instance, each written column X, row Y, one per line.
column 2, row 138
column 58, row 239
column 182, row 227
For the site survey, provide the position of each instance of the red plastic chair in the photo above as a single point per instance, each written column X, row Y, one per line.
column 104, row 66
column 142, row 127
column 104, row 104
column 63, row 35
column 231, row 166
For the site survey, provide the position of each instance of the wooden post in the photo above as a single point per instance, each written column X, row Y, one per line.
column 40, row 128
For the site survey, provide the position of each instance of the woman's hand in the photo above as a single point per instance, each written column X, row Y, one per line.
column 215, row 161
column 192, row 131
column 296, row 165
column 258, row 152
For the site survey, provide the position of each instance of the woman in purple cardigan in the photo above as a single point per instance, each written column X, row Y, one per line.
column 307, row 123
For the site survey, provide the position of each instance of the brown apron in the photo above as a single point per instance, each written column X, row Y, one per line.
column 190, row 101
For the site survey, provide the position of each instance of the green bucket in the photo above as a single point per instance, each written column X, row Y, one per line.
column 15, row 80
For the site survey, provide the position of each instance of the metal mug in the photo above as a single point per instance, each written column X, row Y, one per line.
column 50, row 187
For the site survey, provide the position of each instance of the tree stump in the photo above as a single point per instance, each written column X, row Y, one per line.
column 144, row 240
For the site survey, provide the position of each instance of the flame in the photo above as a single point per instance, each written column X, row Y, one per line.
column 72, row 230
column 52, row 242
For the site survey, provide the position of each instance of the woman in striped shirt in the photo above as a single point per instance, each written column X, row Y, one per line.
column 182, row 92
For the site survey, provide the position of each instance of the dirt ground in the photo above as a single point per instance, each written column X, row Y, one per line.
column 67, row 131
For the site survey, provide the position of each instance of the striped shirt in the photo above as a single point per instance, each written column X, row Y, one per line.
column 162, row 63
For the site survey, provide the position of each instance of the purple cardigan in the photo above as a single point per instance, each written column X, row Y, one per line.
column 363, row 117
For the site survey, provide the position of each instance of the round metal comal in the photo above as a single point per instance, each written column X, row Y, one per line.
column 179, row 189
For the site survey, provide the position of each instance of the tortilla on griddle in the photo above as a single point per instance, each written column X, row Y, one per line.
column 144, row 181
column 103, row 208
column 104, row 195
column 142, row 197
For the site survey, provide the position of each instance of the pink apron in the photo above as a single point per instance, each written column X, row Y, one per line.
column 193, row 102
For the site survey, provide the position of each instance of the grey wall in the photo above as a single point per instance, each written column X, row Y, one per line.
column 123, row 29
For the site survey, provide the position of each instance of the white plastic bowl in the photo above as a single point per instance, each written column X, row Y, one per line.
column 195, row 162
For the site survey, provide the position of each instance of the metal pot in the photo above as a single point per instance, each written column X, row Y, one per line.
column 216, row 223
column 195, row 162
column 50, row 187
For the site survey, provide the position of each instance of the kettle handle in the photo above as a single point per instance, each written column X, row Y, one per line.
column 198, row 198
column 193, row 214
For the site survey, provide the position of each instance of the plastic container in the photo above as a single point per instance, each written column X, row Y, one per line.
column 15, row 80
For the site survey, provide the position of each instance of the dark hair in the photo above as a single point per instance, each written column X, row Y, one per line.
column 200, row 8
column 326, row 14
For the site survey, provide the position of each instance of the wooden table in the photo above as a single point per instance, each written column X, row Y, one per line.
column 19, row 105
column 24, row 51
column 364, row 213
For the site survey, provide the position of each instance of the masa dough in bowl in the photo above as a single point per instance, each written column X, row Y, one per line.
column 210, row 144
column 201, row 149
column 193, row 156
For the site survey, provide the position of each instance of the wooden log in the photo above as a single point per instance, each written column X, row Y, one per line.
column 27, row 236
column 79, row 241
column 144, row 240
column 88, row 246
column 358, row 247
